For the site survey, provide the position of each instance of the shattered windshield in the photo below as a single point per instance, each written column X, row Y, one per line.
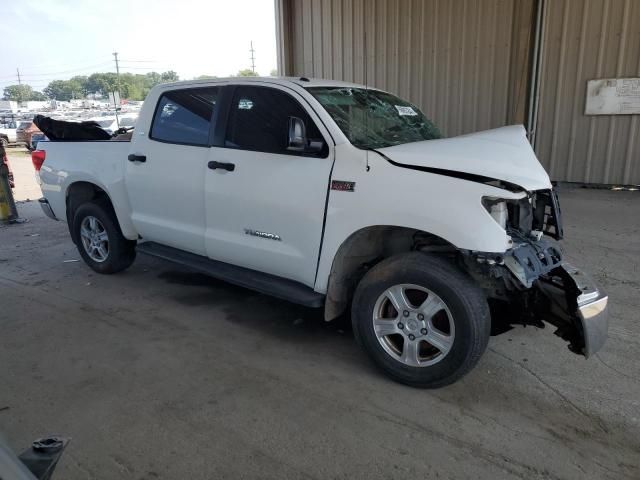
column 374, row 119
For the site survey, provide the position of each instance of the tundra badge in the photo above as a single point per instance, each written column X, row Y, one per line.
column 257, row 233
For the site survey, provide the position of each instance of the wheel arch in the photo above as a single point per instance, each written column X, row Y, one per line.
column 80, row 192
column 365, row 248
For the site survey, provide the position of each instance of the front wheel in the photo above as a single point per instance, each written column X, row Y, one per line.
column 99, row 239
column 421, row 320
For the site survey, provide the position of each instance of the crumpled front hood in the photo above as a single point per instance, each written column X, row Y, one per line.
column 502, row 153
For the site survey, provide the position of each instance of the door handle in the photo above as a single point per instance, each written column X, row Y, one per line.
column 229, row 167
column 136, row 158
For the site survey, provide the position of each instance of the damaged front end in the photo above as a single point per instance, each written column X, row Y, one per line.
column 531, row 282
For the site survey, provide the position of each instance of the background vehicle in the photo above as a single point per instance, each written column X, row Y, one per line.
column 128, row 121
column 331, row 194
column 35, row 138
column 24, row 131
column 8, row 133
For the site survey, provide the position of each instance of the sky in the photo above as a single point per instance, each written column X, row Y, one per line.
column 57, row 39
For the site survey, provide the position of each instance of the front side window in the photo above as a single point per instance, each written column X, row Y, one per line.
column 259, row 120
column 374, row 119
column 184, row 116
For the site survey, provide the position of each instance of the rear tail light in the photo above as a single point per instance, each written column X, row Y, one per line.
column 37, row 158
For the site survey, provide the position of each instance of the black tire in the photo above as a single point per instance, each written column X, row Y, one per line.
column 4, row 142
column 465, row 301
column 121, row 252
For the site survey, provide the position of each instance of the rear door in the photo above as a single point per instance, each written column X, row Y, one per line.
column 265, row 203
column 166, row 168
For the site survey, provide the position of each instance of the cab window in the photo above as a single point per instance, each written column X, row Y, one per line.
column 259, row 120
column 185, row 116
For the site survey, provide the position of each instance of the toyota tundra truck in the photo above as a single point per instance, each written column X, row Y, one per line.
column 334, row 195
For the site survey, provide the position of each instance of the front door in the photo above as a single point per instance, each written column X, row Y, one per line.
column 265, row 202
column 166, row 168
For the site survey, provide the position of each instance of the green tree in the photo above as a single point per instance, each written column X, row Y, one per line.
column 102, row 83
column 204, row 77
column 79, row 85
column 65, row 90
column 247, row 72
column 22, row 93
column 39, row 96
column 169, row 76
column 17, row 93
column 152, row 79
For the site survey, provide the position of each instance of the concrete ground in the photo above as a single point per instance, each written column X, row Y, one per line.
column 160, row 372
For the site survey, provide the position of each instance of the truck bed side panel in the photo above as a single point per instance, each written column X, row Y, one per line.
column 98, row 162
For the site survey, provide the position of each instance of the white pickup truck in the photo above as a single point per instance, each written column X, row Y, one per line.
column 333, row 195
column 8, row 133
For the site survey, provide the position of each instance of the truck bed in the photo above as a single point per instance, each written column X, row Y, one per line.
column 101, row 162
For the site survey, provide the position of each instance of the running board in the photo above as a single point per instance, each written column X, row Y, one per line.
column 261, row 282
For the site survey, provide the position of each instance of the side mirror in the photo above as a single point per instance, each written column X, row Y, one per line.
column 297, row 135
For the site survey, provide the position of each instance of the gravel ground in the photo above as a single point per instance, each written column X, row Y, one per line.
column 160, row 372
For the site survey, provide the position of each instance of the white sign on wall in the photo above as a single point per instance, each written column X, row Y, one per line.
column 613, row 96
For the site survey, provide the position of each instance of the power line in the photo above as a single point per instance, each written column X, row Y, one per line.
column 127, row 67
column 73, row 70
column 69, row 69
column 36, row 82
column 52, row 64
column 62, row 72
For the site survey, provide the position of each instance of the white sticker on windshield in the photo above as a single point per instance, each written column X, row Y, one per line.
column 405, row 110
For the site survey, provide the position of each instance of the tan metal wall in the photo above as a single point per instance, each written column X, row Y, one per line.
column 463, row 62
column 588, row 39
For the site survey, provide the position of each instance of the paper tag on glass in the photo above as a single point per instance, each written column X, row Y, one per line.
column 405, row 110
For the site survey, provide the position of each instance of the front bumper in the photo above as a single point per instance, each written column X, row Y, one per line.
column 570, row 299
column 591, row 304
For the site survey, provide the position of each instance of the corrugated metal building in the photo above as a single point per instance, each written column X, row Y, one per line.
column 477, row 64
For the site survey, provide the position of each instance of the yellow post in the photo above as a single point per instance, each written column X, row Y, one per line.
column 8, row 212
column 5, row 210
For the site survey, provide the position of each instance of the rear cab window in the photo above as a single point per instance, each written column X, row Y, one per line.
column 185, row 116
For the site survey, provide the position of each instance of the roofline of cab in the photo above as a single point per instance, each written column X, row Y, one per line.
column 297, row 81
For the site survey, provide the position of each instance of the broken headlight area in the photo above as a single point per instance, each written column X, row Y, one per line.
column 547, row 217
column 535, row 215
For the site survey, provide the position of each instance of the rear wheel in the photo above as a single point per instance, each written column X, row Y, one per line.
column 99, row 239
column 421, row 320
column 4, row 142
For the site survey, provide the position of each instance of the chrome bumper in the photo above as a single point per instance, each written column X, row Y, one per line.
column 46, row 208
column 592, row 309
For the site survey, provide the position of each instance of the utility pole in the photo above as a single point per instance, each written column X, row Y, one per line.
column 253, row 58
column 19, row 89
column 115, row 55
